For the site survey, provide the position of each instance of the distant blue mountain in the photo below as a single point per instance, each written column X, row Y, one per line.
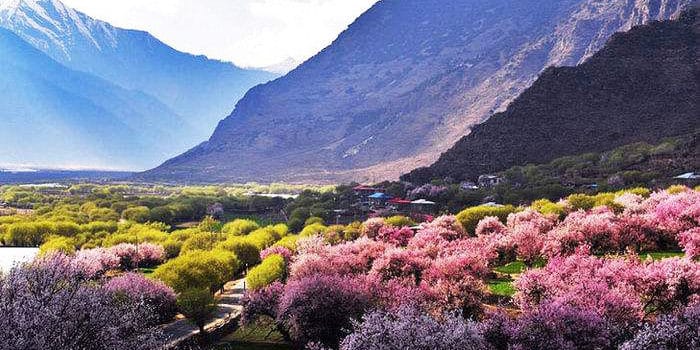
column 134, row 85
column 55, row 116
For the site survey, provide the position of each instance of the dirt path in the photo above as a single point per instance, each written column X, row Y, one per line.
column 228, row 310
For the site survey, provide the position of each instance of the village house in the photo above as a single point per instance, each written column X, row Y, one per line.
column 489, row 180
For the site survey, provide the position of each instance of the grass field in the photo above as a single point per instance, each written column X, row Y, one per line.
column 502, row 287
column 661, row 255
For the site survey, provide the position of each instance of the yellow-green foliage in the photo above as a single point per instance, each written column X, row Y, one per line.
column 547, row 207
column 197, row 305
column 136, row 234
column 640, row 191
column 172, row 247
column 139, row 214
column 201, row 241
column 66, row 229
column 586, row 202
column 311, row 230
column 313, row 221
column 198, row 270
column 399, row 221
column 263, row 237
column 607, row 199
column 334, row 234
column 353, row 231
column 25, row 234
column 240, row 227
column 470, row 217
column 173, row 244
column 581, row 201
column 270, row 270
column 281, row 229
column 675, row 189
column 246, row 251
column 183, row 235
column 99, row 226
column 289, row 242
column 58, row 244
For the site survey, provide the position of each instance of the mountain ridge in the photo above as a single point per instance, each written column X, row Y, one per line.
column 400, row 86
column 641, row 87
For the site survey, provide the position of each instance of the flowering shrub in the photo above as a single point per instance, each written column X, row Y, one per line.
column 408, row 328
column 470, row 217
column 371, row 227
column 316, row 309
column 48, row 304
column 395, row 235
column 150, row 255
column 446, row 226
column 426, row 191
column 279, row 250
column 673, row 331
column 490, row 225
column 674, row 211
column 262, row 302
column 273, row 268
column 622, row 290
column 128, row 255
column 690, row 241
column 556, row 326
column 596, row 228
column 577, row 300
column 94, row 262
column 137, row 288
column 397, row 263
column 349, row 258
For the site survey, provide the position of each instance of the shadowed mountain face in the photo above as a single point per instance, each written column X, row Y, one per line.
column 199, row 90
column 400, row 86
column 641, row 87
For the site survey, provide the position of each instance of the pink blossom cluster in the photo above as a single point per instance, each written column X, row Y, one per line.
column 125, row 256
column 619, row 288
column 442, row 270
column 666, row 220
column 132, row 255
column 94, row 262
column 426, row 191
column 440, row 267
column 395, row 235
column 279, row 250
column 371, row 227
column 138, row 288
column 690, row 241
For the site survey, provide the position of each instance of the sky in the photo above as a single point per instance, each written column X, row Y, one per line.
column 249, row 33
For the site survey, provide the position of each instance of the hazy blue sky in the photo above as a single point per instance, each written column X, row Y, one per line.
column 250, row 33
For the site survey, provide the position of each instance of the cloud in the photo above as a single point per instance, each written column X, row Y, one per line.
column 250, row 33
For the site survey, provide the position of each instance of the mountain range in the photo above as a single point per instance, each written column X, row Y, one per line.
column 79, row 92
column 401, row 85
column 643, row 86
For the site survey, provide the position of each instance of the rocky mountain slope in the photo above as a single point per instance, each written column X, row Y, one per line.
column 57, row 117
column 401, row 85
column 641, row 87
column 203, row 91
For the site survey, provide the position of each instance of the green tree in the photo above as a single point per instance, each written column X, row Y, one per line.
column 272, row 269
column 198, row 305
column 470, row 217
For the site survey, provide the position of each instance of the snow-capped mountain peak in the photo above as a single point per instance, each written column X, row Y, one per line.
column 54, row 27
